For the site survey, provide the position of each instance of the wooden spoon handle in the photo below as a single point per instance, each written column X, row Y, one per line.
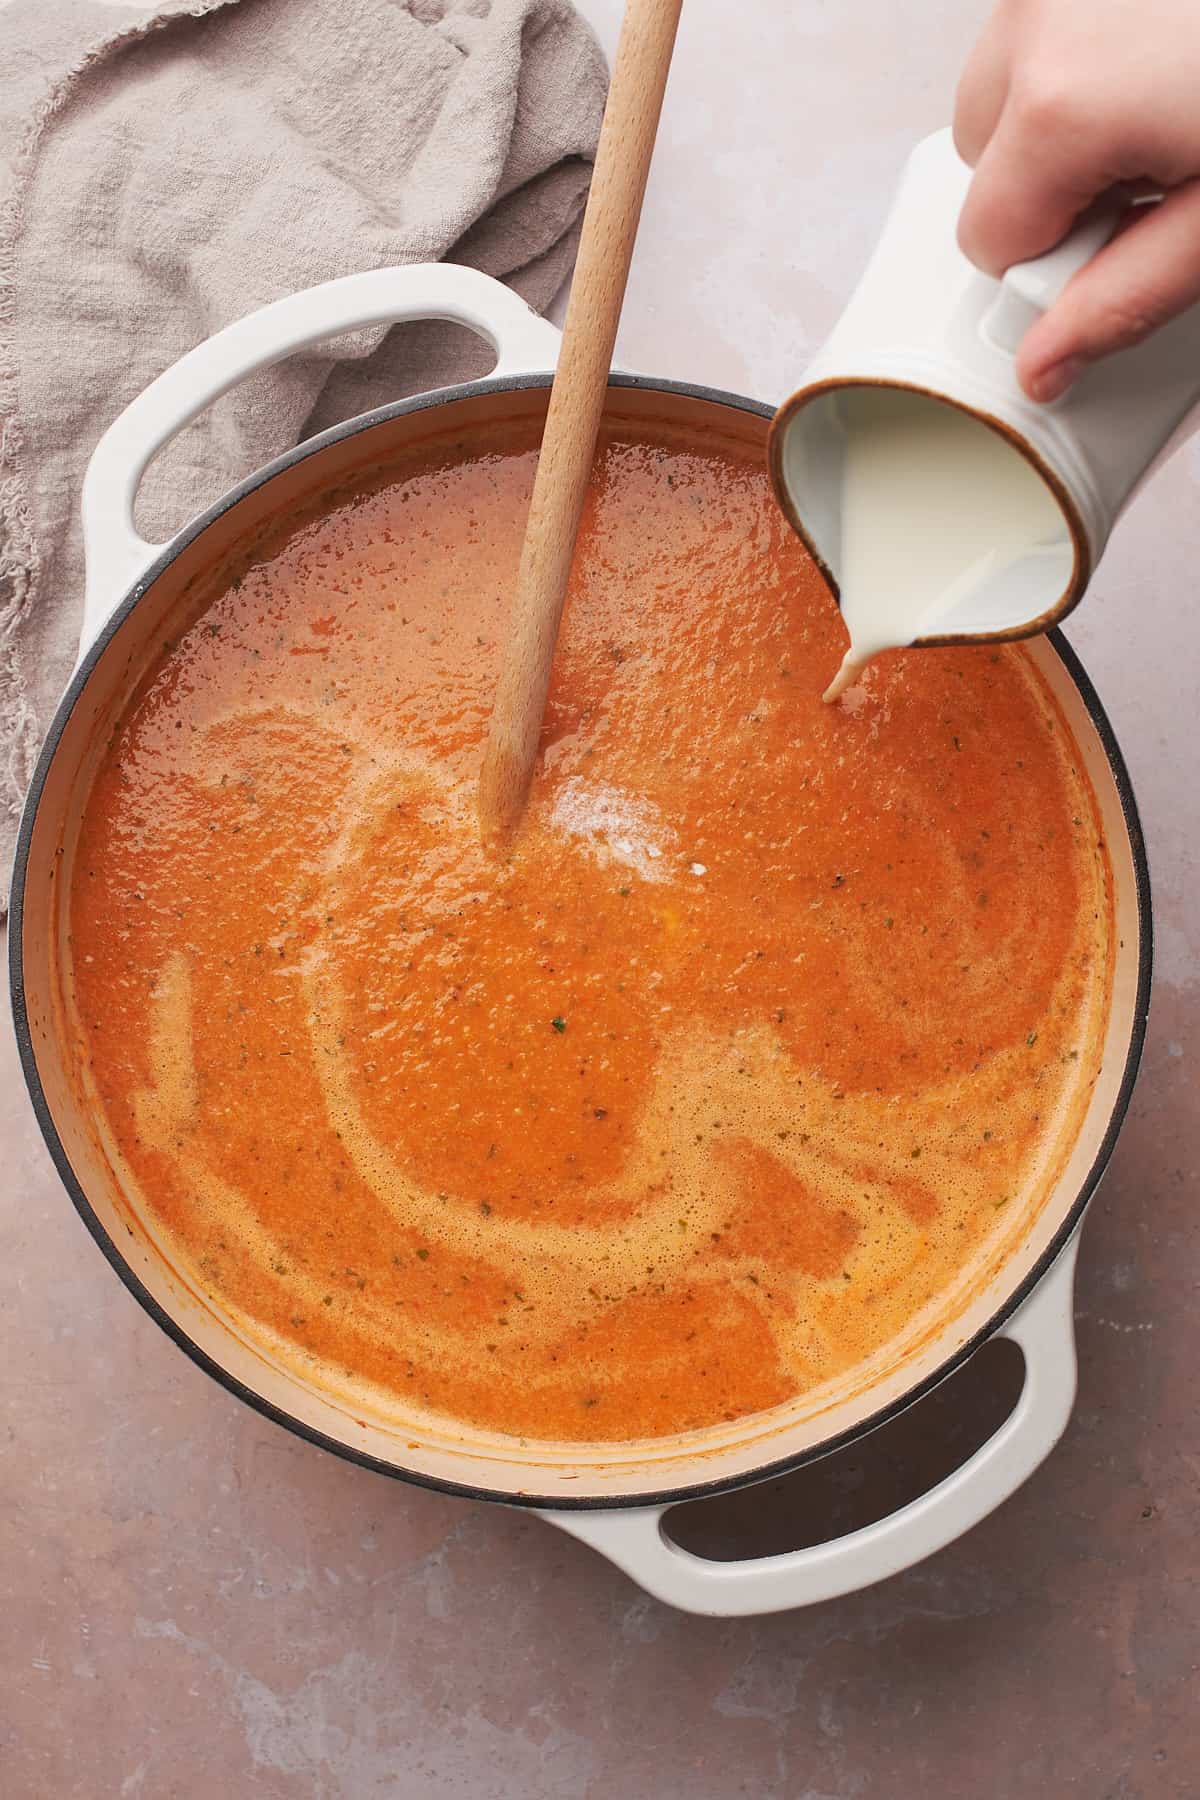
column 576, row 403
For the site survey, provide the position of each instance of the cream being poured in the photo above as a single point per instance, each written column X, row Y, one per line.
column 946, row 528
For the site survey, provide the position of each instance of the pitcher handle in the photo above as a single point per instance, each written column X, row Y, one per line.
column 116, row 553
column 1029, row 289
column 636, row 1541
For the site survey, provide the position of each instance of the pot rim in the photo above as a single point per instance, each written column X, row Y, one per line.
column 665, row 1497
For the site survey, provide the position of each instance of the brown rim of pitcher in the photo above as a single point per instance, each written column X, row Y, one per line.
column 1081, row 570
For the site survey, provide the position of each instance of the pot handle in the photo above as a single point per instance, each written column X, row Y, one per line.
column 637, row 1542
column 115, row 552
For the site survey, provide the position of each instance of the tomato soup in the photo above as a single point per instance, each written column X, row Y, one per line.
column 775, row 1017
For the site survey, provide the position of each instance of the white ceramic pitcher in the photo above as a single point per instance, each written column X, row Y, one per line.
column 925, row 319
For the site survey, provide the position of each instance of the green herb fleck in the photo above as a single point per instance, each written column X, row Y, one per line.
column 559, row 1023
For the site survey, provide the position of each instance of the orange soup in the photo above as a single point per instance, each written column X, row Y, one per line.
column 775, row 1018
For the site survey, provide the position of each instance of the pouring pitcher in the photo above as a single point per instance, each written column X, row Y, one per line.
column 924, row 321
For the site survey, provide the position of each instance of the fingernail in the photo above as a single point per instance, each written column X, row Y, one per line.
column 1056, row 379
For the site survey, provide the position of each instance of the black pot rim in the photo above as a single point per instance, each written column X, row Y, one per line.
column 670, row 1496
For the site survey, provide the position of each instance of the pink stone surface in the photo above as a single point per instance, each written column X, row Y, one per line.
column 193, row 1603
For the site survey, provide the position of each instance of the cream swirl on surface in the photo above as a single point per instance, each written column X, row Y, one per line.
column 593, row 1143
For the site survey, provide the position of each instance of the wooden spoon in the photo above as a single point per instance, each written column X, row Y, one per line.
column 576, row 403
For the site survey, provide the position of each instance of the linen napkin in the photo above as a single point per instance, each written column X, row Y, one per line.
column 164, row 169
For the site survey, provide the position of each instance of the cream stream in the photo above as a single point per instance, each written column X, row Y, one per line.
column 935, row 507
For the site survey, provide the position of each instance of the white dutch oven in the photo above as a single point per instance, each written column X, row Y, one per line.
column 613, row 1497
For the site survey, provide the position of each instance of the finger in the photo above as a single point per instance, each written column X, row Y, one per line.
column 982, row 89
column 1148, row 274
column 1037, row 172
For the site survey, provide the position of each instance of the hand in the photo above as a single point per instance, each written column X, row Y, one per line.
column 1063, row 101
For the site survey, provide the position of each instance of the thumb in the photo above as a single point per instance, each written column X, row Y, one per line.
column 1147, row 275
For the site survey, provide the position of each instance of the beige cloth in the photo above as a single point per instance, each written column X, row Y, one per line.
column 164, row 169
